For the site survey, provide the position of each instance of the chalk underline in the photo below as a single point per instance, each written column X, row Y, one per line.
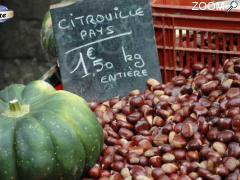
column 98, row 41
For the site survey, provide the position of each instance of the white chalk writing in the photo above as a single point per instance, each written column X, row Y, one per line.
column 116, row 14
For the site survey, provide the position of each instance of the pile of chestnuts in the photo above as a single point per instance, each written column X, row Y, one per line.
column 186, row 129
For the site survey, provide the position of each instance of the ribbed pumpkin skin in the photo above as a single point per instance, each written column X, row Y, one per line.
column 47, row 39
column 57, row 139
column 46, row 36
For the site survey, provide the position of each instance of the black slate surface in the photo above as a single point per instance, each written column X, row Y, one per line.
column 106, row 47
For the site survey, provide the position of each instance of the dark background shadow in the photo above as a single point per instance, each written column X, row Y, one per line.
column 21, row 56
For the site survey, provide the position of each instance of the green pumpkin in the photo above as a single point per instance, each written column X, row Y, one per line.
column 47, row 39
column 46, row 134
column 46, row 36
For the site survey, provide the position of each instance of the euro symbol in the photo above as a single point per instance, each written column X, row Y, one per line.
column 90, row 53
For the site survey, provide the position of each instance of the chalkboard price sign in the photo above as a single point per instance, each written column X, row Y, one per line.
column 106, row 48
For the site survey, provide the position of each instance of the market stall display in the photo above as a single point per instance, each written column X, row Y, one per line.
column 186, row 128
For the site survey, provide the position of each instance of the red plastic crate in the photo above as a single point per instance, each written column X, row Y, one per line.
column 185, row 37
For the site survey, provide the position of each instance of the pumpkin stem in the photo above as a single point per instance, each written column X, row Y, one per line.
column 14, row 105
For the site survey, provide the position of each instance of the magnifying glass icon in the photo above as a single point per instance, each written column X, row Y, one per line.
column 233, row 4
